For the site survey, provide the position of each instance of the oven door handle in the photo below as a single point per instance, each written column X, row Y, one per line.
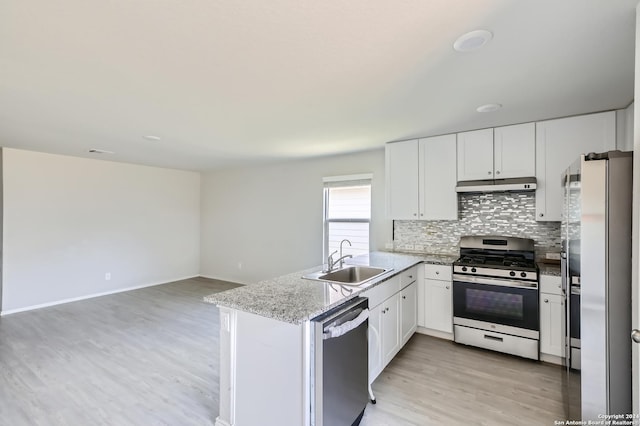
column 528, row 285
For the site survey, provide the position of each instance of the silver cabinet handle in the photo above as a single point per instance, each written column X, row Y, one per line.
column 447, row 287
column 489, row 172
column 410, row 276
column 415, row 214
column 541, row 214
column 497, row 172
column 404, row 297
column 421, row 214
column 437, row 273
column 546, row 300
column 635, row 335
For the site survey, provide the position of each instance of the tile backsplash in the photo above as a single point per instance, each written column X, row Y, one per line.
column 510, row 214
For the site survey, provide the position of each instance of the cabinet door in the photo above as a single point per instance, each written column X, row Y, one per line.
column 409, row 309
column 475, row 155
column 421, row 302
column 514, row 151
column 558, row 144
column 438, row 313
column 401, row 160
column 375, row 343
column 552, row 324
column 438, row 197
column 390, row 319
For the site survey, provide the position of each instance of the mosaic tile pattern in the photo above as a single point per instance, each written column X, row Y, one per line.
column 510, row 214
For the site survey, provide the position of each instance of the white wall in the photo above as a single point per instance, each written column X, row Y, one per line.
column 624, row 128
column 265, row 221
column 68, row 221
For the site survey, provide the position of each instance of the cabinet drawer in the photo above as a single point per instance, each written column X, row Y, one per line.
column 382, row 291
column 550, row 284
column 437, row 272
column 408, row 276
column 527, row 348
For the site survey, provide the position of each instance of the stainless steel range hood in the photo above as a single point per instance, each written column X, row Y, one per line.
column 497, row 185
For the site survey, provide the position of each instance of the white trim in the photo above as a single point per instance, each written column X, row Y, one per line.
column 435, row 333
column 90, row 296
column 234, row 281
column 220, row 422
column 362, row 176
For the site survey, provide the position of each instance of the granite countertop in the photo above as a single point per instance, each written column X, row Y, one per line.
column 292, row 299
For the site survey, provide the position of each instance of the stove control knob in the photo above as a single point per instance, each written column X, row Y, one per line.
column 473, row 269
column 513, row 274
column 464, row 269
column 523, row 274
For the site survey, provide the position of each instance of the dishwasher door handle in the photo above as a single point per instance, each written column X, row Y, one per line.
column 342, row 329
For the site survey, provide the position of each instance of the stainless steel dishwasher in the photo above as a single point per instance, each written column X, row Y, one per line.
column 339, row 370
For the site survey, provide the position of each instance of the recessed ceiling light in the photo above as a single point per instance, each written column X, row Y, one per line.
column 472, row 40
column 100, row 151
column 152, row 138
column 488, row 107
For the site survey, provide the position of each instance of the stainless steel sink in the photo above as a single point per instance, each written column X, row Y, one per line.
column 349, row 275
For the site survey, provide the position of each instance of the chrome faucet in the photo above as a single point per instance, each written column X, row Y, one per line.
column 330, row 262
column 340, row 260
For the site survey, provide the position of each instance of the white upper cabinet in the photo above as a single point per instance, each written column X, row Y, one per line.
column 500, row 153
column 514, row 151
column 475, row 155
column 421, row 179
column 401, row 170
column 437, row 195
column 558, row 144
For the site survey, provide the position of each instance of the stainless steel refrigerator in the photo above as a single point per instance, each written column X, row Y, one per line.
column 596, row 268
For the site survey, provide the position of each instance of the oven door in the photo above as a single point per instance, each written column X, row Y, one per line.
column 497, row 301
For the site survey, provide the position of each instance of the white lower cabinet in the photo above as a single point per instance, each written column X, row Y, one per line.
column 409, row 310
column 390, row 327
column 552, row 317
column 438, row 313
column 552, row 324
column 435, row 301
column 375, row 342
column 392, row 319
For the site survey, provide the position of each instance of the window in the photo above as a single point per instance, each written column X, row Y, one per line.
column 347, row 213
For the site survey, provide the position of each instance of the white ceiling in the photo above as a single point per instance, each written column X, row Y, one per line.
column 232, row 82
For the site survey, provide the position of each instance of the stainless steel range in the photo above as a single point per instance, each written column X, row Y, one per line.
column 495, row 295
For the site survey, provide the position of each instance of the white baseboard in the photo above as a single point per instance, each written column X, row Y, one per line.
column 225, row 279
column 435, row 333
column 90, row 296
column 219, row 421
column 552, row 359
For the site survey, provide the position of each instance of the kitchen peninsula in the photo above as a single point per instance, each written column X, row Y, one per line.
column 265, row 337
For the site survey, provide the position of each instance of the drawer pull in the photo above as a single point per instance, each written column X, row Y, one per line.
column 497, row 339
column 437, row 272
column 546, row 300
column 447, row 287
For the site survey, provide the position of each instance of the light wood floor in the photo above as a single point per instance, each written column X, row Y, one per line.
column 144, row 357
column 438, row 382
column 150, row 357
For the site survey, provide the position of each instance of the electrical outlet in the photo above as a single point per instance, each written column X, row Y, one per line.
column 408, row 247
column 107, row 276
column 239, row 265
